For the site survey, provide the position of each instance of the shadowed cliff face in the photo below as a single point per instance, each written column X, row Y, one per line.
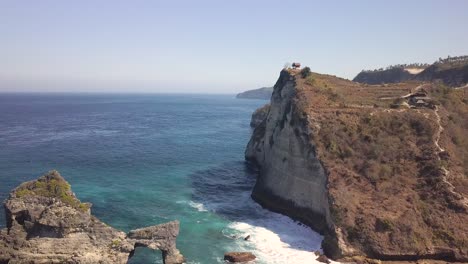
column 46, row 223
column 291, row 175
column 377, row 181
column 259, row 115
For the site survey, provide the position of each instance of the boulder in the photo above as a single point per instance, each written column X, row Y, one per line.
column 323, row 259
column 239, row 256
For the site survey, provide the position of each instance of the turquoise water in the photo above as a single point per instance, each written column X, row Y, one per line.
column 147, row 159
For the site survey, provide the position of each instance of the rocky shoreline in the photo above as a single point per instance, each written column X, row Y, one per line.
column 46, row 223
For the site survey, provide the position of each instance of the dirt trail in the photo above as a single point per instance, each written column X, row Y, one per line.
column 439, row 131
column 446, row 173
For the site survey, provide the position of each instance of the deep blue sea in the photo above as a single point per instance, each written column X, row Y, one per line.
column 147, row 159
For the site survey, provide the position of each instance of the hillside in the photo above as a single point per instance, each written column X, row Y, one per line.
column 260, row 93
column 393, row 75
column 380, row 170
column 456, row 75
column 452, row 71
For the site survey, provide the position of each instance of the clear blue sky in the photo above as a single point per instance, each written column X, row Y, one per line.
column 214, row 46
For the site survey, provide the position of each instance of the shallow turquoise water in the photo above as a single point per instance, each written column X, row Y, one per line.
column 147, row 159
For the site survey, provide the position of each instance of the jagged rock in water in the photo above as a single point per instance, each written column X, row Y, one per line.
column 259, row 115
column 46, row 223
column 239, row 256
column 160, row 237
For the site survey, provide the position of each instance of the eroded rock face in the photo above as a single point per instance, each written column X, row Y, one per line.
column 259, row 115
column 292, row 179
column 46, row 223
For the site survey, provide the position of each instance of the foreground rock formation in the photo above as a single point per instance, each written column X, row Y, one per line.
column 377, row 182
column 46, row 223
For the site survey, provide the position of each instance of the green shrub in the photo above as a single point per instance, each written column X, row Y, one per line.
column 52, row 187
column 115, row 243
column 23, row 192
column 353, row 233
column 305, row 72
column 383, row 225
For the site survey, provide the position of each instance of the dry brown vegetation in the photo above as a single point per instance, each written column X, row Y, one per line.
column 386, row 181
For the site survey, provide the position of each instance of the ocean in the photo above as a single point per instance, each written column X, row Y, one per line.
column 148, row 159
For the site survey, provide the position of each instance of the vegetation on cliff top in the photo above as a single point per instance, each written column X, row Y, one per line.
column 52, row 185
column 388, row 183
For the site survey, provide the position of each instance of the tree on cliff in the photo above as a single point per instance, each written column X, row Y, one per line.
column 305, row 72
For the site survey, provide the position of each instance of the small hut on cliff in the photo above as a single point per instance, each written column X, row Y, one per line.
column 296, row 65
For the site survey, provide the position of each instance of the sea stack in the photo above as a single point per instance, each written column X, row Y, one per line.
column 46, row 223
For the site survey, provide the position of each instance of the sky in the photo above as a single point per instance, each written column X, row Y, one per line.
column 214, row 46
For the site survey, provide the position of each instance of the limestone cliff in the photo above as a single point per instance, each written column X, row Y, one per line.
column 378, row 181
column 292, row 178
column 259, row 115
column 46, row 223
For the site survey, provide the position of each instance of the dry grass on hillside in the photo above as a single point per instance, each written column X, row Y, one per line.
column 386, row 177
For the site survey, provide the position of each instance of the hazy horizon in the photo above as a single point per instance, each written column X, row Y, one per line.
column 213, row 46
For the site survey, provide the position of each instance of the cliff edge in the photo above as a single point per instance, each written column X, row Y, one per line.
column 380, row 171
column 46, row 223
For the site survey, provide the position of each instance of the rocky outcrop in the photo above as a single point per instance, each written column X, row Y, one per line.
column 239, row 256
column 335, row 156
column 259, row 115
column 160, row 237
column 46, row 223
column 263, row 93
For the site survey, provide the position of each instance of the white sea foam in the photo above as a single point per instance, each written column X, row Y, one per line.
column 199, row 206
column 277, row 239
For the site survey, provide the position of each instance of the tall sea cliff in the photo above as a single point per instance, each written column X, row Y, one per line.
column 379, row 180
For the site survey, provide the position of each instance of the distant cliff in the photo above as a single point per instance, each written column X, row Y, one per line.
column 46, row 223
column 377, row 181
column 454, row 76
column 261, row 93
column 393, row 75
column 452, row 71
